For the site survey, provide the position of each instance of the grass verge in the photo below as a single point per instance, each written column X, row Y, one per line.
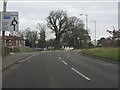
column 106, row 53
column 29, row 50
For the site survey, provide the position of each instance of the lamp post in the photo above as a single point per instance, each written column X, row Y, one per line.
column 95, row 31
column 86, row 27
column 86, row 20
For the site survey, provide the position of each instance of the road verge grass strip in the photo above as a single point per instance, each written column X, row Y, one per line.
column 104, row 53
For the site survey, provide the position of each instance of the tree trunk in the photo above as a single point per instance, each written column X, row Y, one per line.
column 57, row 43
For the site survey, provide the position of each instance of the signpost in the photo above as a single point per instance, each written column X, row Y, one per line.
column 9, row 21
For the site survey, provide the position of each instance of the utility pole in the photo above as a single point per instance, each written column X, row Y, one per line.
column 3, row 32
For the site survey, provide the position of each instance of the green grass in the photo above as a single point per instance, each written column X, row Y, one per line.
column 29, row 50
column 107, row 53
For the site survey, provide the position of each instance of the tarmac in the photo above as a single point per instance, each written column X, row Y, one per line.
column 11, row 59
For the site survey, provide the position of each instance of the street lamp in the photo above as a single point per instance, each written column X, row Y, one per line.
column 86, row 20
column 86, row 26
column 95, row 30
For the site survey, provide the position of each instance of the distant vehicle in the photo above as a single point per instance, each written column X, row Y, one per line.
column 40, row 49
column 69, row 48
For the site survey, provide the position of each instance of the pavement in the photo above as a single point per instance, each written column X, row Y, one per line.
column 13, row 58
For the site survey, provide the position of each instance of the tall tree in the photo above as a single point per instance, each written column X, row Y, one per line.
column 42, row 31
column 115, row 37
column 28, row 37
column 57, row 22
column 31, row 36
column 101, row 42
column 76, row 36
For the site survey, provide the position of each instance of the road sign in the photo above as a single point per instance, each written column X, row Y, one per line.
column 9, row 21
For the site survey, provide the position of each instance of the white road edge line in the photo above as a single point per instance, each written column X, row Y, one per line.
column 64, row 62
column 81, row 74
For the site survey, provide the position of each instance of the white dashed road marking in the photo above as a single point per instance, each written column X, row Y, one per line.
column 64, row 62
column 81, row 74
column 59, row 57
column 12, row 53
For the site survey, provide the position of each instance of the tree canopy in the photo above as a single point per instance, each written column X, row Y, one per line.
column 56, row 21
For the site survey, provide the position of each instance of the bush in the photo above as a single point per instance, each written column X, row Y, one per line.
column 7, row 51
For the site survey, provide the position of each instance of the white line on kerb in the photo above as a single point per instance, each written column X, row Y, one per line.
column 6, row 66
column 81, row 74
column 25, row 59
column 64, row 62
column 16, row 61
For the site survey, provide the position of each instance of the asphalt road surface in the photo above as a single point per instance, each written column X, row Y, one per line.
column 61, row 69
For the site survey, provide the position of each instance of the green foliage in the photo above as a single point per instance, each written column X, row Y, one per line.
column 27, row 43
column 107, row 42
column 76, row 36
column 42, row 36
column 107, row 53
column 31, row 37
column 29, row 50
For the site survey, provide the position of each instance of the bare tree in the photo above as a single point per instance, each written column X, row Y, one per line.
column 42, row 31
column 57, row 22
column 31, row 37
column 41, row 27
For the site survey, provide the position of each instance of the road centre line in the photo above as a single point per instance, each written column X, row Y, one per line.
column 64, row 62
column 12, row 53
column 60, row 58
column 81, row 74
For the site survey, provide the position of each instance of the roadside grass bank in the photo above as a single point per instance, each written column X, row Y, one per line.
column 29, row 50
column 105, row 53
column 34, row 50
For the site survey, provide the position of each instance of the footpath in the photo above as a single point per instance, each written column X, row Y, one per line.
column 12, row 58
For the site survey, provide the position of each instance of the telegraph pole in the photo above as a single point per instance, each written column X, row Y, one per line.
column 3, row 32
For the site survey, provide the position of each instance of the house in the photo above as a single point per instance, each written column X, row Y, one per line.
column 15, row 41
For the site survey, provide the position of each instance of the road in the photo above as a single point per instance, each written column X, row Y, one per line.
column 61, row 69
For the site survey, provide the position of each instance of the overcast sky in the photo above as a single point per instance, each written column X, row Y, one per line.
column 104, row 13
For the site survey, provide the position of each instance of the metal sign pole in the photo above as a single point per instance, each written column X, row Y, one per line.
column 3, row 32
